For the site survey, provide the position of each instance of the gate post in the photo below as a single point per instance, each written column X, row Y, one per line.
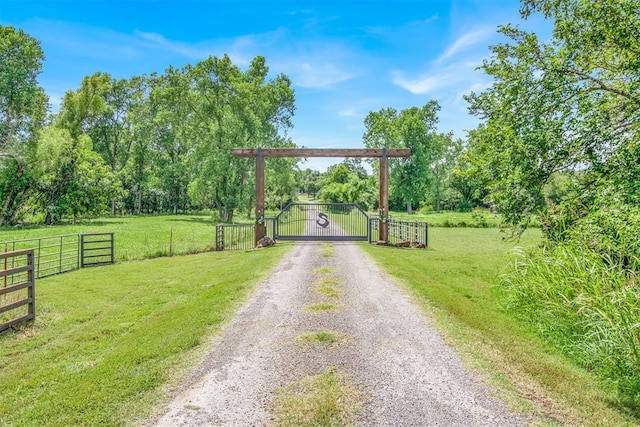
column 383, row 202
column 260, row 228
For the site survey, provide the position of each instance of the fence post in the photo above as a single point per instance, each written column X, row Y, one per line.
column 31, row 290
column 426, row 235
column 219, row 237
column 113, row 249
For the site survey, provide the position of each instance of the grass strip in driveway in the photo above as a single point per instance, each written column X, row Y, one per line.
column 321, row 337
column 326, row 399
column 321, row 307
column 453, row 281
column 107, row 340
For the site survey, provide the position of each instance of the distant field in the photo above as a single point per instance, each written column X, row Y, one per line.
column 477, row 218
column 136, row 237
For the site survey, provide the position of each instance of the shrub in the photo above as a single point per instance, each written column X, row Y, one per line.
column 584, row 305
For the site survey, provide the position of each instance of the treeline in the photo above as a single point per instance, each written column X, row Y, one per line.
column 436, row 177
column 147, row 144
column 163, row 143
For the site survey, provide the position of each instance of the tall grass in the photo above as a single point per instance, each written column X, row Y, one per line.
column 586, row 306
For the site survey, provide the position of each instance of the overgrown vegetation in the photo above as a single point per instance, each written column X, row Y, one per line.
column 560, row 139
column 107, row 340
column 586, row 306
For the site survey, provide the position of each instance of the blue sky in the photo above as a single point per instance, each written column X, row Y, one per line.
column 345, row 58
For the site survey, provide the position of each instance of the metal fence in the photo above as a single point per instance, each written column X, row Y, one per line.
column 17, row 292
column 402, row 232
column 240, row 236
column 59, row 254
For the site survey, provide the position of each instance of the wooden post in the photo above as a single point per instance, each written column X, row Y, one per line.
column 383, row 202
column 260, row 228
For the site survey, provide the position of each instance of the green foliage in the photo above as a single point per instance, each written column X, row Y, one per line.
column 72, row 179
column 348, row 183
column 23, row 106
column 586, row 305
column 559, row 106
column 412, row 128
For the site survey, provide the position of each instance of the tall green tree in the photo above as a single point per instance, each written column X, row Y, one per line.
column 567, row 104
column 413, row 128
column 72, row 179
column 233, row 108
column 23, row 107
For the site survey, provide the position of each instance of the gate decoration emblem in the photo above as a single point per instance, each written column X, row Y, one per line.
column 322, row 221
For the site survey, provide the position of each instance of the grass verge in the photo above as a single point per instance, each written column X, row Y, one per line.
column 453, row 282
column 326, row 399
column 108, row 340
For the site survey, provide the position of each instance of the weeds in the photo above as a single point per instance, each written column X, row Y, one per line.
column 584, row 305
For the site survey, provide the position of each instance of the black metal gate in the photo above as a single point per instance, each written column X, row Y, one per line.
column 322, row 221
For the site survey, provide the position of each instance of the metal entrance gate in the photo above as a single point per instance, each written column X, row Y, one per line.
column 322, row 221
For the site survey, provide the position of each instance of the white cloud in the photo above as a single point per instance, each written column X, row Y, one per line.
column 467, row 40
column 158, row 41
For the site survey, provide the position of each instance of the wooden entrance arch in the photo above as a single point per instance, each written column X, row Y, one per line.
column 382, row 153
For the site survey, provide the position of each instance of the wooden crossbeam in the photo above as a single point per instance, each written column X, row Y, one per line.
column 322, row 152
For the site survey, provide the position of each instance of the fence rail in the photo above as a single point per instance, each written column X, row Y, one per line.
column 17, row 295
column 59, row 254
column 240, row 236
column 96, row 249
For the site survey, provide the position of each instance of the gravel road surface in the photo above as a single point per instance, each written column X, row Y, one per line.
column 392, row 353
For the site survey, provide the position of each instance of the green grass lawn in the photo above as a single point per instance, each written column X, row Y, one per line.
column 107, row 341
column 136, row 237
column 453, row 281
column 478, row 218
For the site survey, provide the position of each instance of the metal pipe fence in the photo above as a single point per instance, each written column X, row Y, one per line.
column 240, row 236
column 402, row 232
column 59, row 254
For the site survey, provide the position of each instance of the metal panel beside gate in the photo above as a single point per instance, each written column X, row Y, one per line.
column 322, row 221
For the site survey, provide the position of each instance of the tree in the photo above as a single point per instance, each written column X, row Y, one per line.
column 413, row 128
column 233, row 108
column 23, row 106
column 570, row 104
column 72, row 179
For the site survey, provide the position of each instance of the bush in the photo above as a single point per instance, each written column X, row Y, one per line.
column 584, row 305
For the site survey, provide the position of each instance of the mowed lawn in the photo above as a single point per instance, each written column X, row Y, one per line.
column 454, row 281
column 107, row 341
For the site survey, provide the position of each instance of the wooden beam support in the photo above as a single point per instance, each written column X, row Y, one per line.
column 322, row 152
column 383, row 201
column 260, row 228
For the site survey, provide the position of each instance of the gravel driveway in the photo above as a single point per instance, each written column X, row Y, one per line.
column 390, row 352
